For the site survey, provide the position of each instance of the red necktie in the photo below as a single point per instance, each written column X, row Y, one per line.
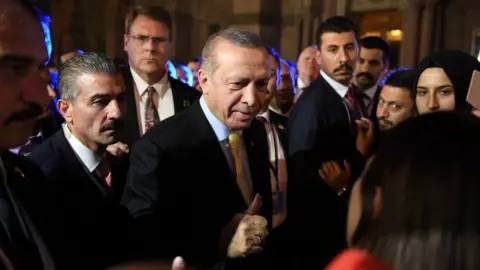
column 353, row 104
column 104, row 171
column 151, row 112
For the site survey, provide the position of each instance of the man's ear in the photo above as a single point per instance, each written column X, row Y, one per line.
column 318, row 56
column 203, row 80
column 65, row 109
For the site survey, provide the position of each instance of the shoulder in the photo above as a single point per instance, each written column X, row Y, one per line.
column 191, row 93
column 47, row 150
column 171, row 131
column 47, row 157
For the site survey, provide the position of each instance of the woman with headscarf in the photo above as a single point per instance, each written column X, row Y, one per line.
column 443, row 81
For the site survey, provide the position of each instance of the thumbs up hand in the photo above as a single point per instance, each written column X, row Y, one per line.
column 246, row 233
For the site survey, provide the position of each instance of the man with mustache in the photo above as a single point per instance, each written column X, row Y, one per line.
column 199, row 182
column 84, row 187
column 397, row 99
column 323, row 126
column 373, row 63
column 23, row 96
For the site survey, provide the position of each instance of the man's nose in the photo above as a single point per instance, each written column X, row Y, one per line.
column 116, row 109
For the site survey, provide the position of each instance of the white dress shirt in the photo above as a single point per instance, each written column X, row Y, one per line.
column 165, row 107
column 90, row 159
column 338, row 87
column 275, row 147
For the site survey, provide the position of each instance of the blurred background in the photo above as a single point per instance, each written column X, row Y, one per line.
column 413, row 27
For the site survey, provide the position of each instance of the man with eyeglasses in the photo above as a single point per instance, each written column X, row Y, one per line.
column 151, row 93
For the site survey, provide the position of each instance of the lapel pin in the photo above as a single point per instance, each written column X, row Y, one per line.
column 281, row 127
column 186, row 103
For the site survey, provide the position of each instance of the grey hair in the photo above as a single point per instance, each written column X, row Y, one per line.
column 87, row 63
column 237, row 37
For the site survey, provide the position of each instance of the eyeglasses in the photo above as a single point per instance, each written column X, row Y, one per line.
column 143, row 39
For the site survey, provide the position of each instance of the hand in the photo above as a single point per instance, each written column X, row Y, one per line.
column 177, row 264
column 118, row 150
column 250, row 234
column 334, row 176
column 364, row 135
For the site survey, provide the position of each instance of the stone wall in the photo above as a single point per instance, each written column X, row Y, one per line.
column 288, row 25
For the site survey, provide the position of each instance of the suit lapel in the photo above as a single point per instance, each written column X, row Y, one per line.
column 254, row 140
column 131, row 119
column 180, row 101
column 78, row 169
column 211, row 151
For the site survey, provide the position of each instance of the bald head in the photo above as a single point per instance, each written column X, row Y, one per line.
column 236, row 37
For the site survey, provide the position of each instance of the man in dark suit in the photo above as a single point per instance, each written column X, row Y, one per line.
column 84, row 189
column 23, row 97
column 373, row 63
column 193, row 176
column 152, row 95
column 321, row 128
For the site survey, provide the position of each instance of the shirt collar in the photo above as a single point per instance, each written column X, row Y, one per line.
column 221, row 130
column 265, row 115
column 300, row 83
column 338, row 87
column 370, row 92
column 142, row 86
column 89, row 158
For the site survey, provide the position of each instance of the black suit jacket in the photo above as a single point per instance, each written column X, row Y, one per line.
column 181, row 191
column 87, row 227
column 280, row 122
column 28, row 185
column 183, row 97
column 318, row 130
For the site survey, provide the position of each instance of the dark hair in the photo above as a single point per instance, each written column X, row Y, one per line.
column 156, row 13
column 377, row 43
column 337, row 24
column 87, row 63
column 427, row 168
column 403, row 78
column 238, row 37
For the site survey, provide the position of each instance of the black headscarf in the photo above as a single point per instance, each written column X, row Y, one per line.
column 459, row 67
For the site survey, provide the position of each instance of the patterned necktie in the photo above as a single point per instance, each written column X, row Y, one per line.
column 235, row 141
column 368, row 104
column 104, row 171
column 354, row 106
column 151, row 112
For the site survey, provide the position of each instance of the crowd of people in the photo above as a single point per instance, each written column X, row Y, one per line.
column 238, row 159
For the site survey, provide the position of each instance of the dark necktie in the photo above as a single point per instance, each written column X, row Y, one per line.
column 367, row 104
column 16, row 240
column 354, row 106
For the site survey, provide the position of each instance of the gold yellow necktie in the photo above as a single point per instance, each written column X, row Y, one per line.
column 235, row 141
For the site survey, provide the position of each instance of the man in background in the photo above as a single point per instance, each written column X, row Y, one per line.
column 373, row 63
